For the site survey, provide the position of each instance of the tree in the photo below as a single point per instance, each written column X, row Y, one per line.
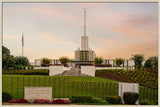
column 138, row 59
column 98, row 60
column 151, row 63
column 5, row 51
column 8, row 61
column 45, row 61
column 119, row 61
column 64, row 61
column 20, row 60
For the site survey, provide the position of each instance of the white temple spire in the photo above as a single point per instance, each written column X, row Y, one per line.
column 84, row 22
column 84, row 38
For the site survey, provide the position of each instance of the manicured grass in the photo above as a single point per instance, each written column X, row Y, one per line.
column 68, row 78
column 63, row 86
column 66, row 86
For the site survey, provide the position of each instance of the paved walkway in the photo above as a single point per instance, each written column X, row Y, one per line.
column 72, row 72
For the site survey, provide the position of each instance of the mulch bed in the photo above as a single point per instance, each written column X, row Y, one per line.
column 116, row 77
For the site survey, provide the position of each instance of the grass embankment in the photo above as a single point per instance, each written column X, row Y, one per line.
column 66, row 86
column 144, row 78
column 63, row 86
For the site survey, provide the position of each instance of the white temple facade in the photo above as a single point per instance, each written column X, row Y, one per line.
column 85, row 53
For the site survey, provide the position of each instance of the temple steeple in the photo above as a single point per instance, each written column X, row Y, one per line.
column 84, row 38
column 84, row 22
column 85, row 54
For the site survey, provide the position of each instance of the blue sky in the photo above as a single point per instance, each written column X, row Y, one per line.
column 54, row 29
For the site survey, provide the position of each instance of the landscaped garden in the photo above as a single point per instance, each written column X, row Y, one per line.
column 99, row 90
column 65, row 87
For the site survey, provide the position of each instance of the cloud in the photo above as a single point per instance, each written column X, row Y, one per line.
column 12, row 37
column 141, row 20
column 51, row 38
column 42, row 11
column 115, row 31
column 38, row 53
column 112, row 48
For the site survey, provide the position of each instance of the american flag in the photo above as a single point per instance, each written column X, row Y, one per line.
column 22, row 41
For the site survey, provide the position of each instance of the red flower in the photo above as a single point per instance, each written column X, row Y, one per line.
column 61, row 101
column 21, row 101
column 12, row 101
column 41, row 101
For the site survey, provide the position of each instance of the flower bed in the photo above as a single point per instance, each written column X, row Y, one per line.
column 57, row 64
column 103, row 65
column 42, row 101
column 12, row 101
column 18, row 101
column 61, row 101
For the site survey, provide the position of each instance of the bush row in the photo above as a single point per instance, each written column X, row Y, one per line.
column 129, row 98
column 86, row 99
column 19, row 67
column 103, row 65
column 113, row 99
column 28, row 72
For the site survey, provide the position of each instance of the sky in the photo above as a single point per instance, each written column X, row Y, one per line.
column 53, row 30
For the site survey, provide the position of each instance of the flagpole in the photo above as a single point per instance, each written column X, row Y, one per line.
column 22, row 43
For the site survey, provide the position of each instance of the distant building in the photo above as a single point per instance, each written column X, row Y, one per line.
column 85, row 54
column 54, row 61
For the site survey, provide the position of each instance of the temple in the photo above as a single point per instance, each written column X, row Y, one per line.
column 85, row 54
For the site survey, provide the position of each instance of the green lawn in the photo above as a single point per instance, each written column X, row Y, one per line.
column 65, row 86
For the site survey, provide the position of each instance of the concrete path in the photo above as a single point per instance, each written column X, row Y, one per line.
column 72, row 72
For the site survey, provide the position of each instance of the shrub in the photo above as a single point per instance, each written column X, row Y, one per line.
column 130, row 97
column 24, row 67
column 28, row 72
column 103, row 65
column 98, row 60
column 32, row 67
column 6, row 97
column 81, row 99
column 21, row 60
column 87, row 99
column 138, row 59
column 98, row 100
column 45, row 62
column 119, row 61
column 8, row 61
column 28, row 67
column 64, row 61
column 113, row 99
column 30, row 100
column 151, row 63
column 17, row 67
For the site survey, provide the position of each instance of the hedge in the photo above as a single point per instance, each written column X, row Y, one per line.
column 28, row 72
